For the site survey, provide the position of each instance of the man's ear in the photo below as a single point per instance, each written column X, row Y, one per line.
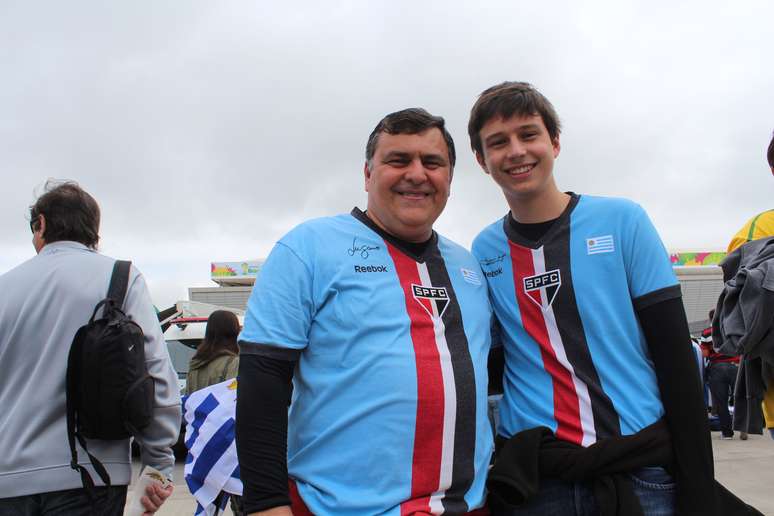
column 481, row 162
column 41, row 225
column 366, row 174
column 556, row 145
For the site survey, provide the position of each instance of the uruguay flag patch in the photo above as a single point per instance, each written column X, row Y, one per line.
column 600, row 244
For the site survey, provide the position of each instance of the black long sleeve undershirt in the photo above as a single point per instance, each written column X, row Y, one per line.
column 666, row 332
column 263, row 396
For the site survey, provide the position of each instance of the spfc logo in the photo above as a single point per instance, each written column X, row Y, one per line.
column 433, row 299
column 542, row 288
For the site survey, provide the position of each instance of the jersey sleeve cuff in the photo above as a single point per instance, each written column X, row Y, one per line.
column 657, row 296
column 268, row 351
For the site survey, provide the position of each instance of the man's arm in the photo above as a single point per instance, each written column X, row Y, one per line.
column 263, row 396
column 157, row 439
column 666, row 332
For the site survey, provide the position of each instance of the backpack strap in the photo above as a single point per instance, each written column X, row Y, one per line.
column 119, row 282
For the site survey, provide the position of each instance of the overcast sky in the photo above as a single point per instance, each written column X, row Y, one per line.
column 208, row 129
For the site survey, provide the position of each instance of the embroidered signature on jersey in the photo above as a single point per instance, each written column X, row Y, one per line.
column 363, row 250
column 433, row 299
column 542, row 288
column 492, row 266
column 492, row 261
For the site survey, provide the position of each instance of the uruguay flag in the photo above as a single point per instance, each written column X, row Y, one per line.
column 211, row 465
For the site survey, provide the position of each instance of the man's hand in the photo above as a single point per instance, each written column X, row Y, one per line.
column 154, row 498
column 275, row 511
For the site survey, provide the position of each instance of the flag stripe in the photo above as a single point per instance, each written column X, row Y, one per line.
column 201, row 412
column 212, row 452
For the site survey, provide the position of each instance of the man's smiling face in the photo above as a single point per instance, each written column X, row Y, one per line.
column 519, row 155
column 408, row 181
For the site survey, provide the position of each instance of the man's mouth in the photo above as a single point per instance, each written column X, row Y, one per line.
column 521, row 169
column 413, row 195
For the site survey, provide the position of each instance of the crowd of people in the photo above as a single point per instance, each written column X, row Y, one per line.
column 364, row 361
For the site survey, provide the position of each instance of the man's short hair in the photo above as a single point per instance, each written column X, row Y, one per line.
column 70, row 213
column 509, row 99
column 770, row 153
column 409, row 121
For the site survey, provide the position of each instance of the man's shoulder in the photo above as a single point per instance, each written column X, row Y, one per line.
column 610, row 204
column 488, row 236
column 451, row 248
column 63, row 257
column 320, row 226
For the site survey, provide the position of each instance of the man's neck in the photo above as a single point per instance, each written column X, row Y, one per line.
column 540, row 208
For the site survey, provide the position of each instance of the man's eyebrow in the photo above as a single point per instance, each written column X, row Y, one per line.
column 434, row 156
column 524, row 127
column 396, row 154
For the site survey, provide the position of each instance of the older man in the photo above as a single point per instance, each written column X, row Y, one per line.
column 45, row 301
column 384, row 327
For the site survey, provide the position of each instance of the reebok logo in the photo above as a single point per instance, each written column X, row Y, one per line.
column 370, row 268
column 492, row 274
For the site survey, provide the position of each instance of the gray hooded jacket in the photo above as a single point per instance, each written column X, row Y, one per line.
column 744, row 325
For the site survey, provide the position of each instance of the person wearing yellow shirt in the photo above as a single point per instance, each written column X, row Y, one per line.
column 760, row 226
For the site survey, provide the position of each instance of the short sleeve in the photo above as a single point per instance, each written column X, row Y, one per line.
column 280, row 308
column 648, row 269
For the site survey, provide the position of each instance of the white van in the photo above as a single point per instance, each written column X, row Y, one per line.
column 183, row 337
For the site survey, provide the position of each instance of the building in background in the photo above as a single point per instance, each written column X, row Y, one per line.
column 701, row 281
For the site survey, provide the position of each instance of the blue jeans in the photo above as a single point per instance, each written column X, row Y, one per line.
column 654, row 487
column 108, row 501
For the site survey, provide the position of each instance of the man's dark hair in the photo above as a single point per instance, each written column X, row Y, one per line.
column 770, row 153
column 409, row 121
column 510, row 99
column 70, row 213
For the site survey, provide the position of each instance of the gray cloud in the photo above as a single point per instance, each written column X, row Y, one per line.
column 206, row 130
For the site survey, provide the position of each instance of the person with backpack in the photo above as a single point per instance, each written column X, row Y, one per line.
column 83, row 368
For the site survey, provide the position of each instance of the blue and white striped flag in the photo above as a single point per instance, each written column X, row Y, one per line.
column 211, row 465
column 600, row 244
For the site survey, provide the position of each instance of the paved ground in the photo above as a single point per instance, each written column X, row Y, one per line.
column 745, row 467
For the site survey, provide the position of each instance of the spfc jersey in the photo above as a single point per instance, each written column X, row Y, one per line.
column 389, row 414
column 576, row 360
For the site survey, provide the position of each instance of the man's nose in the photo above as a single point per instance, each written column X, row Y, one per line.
column 415, row 171
column 516, row 149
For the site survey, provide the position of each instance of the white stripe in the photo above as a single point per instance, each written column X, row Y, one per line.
column 586, row 414
column 449, row 401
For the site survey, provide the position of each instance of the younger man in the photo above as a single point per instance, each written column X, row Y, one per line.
column 595, row 335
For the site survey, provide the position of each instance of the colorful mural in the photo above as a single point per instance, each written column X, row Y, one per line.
column 248, row 269
column 696, row 259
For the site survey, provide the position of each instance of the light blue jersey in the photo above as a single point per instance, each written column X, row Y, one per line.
column 576, row 360
column 389, row 413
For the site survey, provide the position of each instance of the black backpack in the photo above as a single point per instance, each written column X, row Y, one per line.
column 109, row 391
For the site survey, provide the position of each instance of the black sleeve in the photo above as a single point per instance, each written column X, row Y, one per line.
column 263, row 395
column 666, row 332
column 496, row 359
